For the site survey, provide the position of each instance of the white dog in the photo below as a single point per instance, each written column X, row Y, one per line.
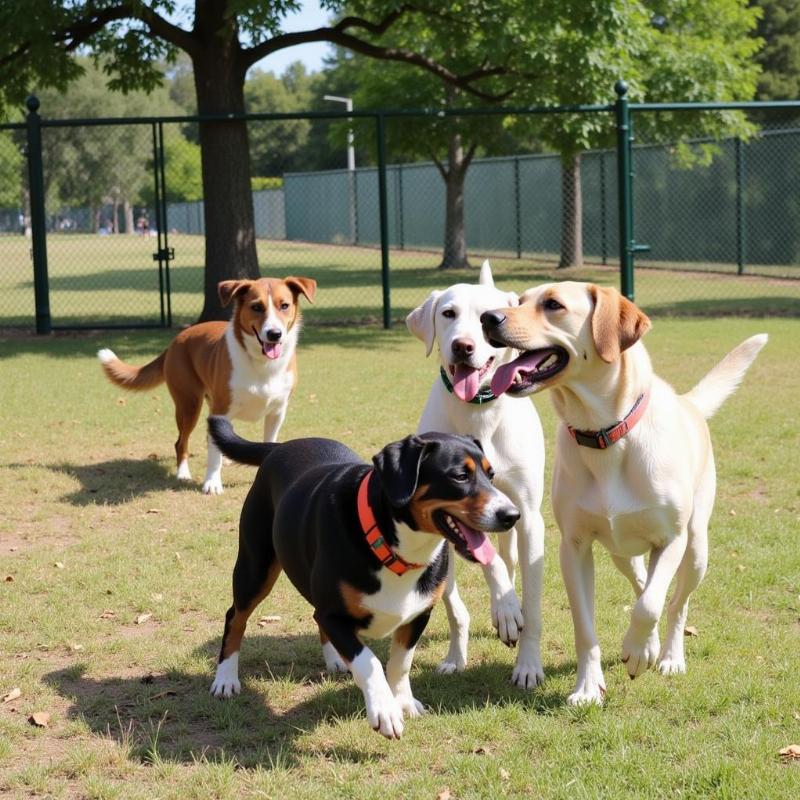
column 634, row 468
column 461, row 402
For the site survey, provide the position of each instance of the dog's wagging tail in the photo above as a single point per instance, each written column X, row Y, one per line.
column 233, row 446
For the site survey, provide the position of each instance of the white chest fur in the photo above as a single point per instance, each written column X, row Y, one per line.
column 398, row 600
column 258, row 383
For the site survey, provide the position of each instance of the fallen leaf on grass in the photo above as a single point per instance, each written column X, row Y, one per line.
column 12, row 695
column 791, row 752
column 121, row 401
column 167, row 693
column 108, row 614
column 9, row 579
column 444, row 795
column 264, row 621
column 504, row 773
column 741, row 567
column 690, row 630
column 40, row 719
column 153, row 456
column 480, row 750
column 76, row 647
column 142, row 618
column 59, row 565
column 153, row 510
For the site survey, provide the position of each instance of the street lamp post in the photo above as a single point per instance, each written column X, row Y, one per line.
column 351, row 164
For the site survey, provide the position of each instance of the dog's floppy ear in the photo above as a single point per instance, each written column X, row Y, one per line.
column 305, row 286
column 228, row 290
column 616, row 322
column 486, row 278
column 421, row 321
column 397, row 466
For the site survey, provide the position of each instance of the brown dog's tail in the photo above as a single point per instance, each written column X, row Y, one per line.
column 128, row 377
column 721, row 382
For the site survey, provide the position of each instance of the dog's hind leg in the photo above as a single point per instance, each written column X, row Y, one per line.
column 188, row 405
column 251, row 584
column 691, row 571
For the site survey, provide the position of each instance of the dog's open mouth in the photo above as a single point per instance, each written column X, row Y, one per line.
column 467, row 379
column 470, row 544
column 269, row 349
column 531, row 368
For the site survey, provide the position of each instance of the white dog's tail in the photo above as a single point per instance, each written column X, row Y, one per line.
column 721, row 382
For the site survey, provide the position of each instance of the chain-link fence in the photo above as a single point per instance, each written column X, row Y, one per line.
column 124, row 219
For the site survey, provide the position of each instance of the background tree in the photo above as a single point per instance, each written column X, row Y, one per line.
column 779, row 27
column 223, row 40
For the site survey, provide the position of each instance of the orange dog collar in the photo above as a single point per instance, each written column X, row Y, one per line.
column 369, row 525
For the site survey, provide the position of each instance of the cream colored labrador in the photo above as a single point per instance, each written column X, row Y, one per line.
column 634, row 468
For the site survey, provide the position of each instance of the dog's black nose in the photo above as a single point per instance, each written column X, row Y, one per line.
column 508, row 517
column 463, row 347
column 492, row 319
column 274, row 335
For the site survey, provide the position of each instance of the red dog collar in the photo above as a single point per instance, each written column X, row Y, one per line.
column 604, row 438
column 369, row 525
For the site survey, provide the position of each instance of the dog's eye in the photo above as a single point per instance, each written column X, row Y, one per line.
column 449, row 313
column 257, row 307
column 551, row 304
column 490, row 473
column 284, row 306
column 462, row 476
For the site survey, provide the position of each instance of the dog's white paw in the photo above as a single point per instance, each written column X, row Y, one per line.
column 183, row 473
column 454, row 661
column 672, row 665
column 527, row 674
column 213, row 485
column 639, row 656
column 587, row 692
column 507, row 617
column 409, row 705
column 226, row 681
column 334, row 663
column 384, row 714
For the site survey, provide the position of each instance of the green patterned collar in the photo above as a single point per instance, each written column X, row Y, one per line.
column 485, row 393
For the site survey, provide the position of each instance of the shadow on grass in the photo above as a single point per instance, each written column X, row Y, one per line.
column 173, row 718
column 116, row 482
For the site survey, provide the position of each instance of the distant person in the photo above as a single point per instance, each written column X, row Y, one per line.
column 143, row 225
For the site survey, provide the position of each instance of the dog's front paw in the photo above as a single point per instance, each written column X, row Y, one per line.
column 213, row 485
column 454, row 661
column 183, row 473
column 334, row 663
column 507, row 617
column 528, row 673
column 672, row 665
column 385, row 714
column 409, row 705
column 638, row 657
column 226, row 681
column 588, row 691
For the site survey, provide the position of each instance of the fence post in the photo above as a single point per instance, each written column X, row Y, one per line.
column 517, row 209
column 740, row 209
column 401, row 220
column 603, row 220
column 624, row 188
column 41, row 284
column 384, row 220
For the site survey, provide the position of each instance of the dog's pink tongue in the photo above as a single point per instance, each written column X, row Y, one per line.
column 478, row 544
column 272, row 349
column 504, row 375
column 465, row 382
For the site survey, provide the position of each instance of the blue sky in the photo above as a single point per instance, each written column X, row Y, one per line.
column 310, row 16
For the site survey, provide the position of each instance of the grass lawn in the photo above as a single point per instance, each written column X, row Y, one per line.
column 96, row 535
column 114, row 280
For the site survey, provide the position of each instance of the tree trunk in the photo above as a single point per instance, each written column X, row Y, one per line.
column 127, row 213
column 230, row 244
column 455, row 241
column 571, row 212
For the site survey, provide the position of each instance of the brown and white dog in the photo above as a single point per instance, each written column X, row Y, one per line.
column 245, row 368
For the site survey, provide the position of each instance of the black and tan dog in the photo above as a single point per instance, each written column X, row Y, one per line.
column 364, row 545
